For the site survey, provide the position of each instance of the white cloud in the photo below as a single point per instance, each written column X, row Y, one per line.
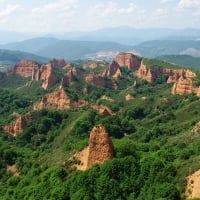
column 188, row 4
column 165, row 1
column 8, row 10
column 114, row 9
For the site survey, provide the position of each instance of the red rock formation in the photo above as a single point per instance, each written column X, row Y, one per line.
column 55, row 100
column 17, row 126
column 60, row 100
column 93, row 65
column 59, row 63
column 27, row 68
column 71, row 75
column 48, row 76
column 183, row 86
column 113, row 70
column 129, row 60
column 97, row 80
column 150, row 74
column 100, row 146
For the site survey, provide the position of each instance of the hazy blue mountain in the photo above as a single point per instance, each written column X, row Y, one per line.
column 168, row 47
column 123, row 34
column 8, row 58
column 69, row 50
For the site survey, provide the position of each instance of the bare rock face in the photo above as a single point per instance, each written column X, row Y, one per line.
column 27, row 68
column 150, row 74
column 113, row 70
column 94, row 79
column 55, row 100
column 100, row 146
column 128, row 59
column 58, row 63
column 183, row 86
column 71, row 75
column 47, row 75
column 129, row 97
column 17, row 126
column 93, row 65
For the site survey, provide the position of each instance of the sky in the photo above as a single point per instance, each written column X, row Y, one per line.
column 59, row 16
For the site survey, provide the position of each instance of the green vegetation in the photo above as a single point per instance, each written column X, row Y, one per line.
column 155, row 145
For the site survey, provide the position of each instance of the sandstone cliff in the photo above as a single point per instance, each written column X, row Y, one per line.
column 129, row 60
column 100, row 146
column 113, row 70
column 31, row 69
column 60, row 100
column 183, row 86
column 55, row 100
column 18, row 125
column 98, row 80
column 71, row 76
column 27, row 68
column 150, row 74
column 59, row 63
column 93, row 65
column 47, row 75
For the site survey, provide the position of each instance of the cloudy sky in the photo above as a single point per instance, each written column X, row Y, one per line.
column 50, row 16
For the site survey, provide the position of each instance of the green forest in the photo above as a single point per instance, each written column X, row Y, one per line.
column 155, row 144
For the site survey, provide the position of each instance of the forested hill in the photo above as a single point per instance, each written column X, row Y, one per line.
column 146, row 113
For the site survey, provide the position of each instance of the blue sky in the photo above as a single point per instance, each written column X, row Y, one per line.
column 50, row 16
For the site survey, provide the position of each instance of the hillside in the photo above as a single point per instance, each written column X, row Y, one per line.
column 183, row 60
column 168, row 47
column 67, row 49
column 8, row 58
column 141, row 114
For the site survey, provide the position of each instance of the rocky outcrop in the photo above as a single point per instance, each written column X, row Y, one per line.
column 97, row 80
column 129, row 97
column 93, row 65
column 31, row 69
column 58, row 63
column 60, row 100
column 100, row 146
column 150, row 73
column 18, row 126
column 183, row 86
column 113, row 70
column 55, row 100
column 27, row 68
column 48, row 76
column 129, row 60
column 71, row 76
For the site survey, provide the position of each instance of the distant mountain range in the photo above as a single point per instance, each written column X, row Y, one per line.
column 105, row 43
column 69, row 50
column 8, row 58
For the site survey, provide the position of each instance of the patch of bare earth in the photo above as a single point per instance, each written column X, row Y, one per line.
column 83, row 158
column 12, row 169
column 193, row 185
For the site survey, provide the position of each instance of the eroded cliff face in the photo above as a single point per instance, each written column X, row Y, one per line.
column 18, row 125
column 60, row 100
column 98, row 80
column 55, row 100
column 113, row 70
column 100, row 146
column 129, row 60
column 150, row 74
column 71, row 76
column 27, row 68
column 59, row 63
column 183, row 86
column 31, row 69
column 48, row 76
